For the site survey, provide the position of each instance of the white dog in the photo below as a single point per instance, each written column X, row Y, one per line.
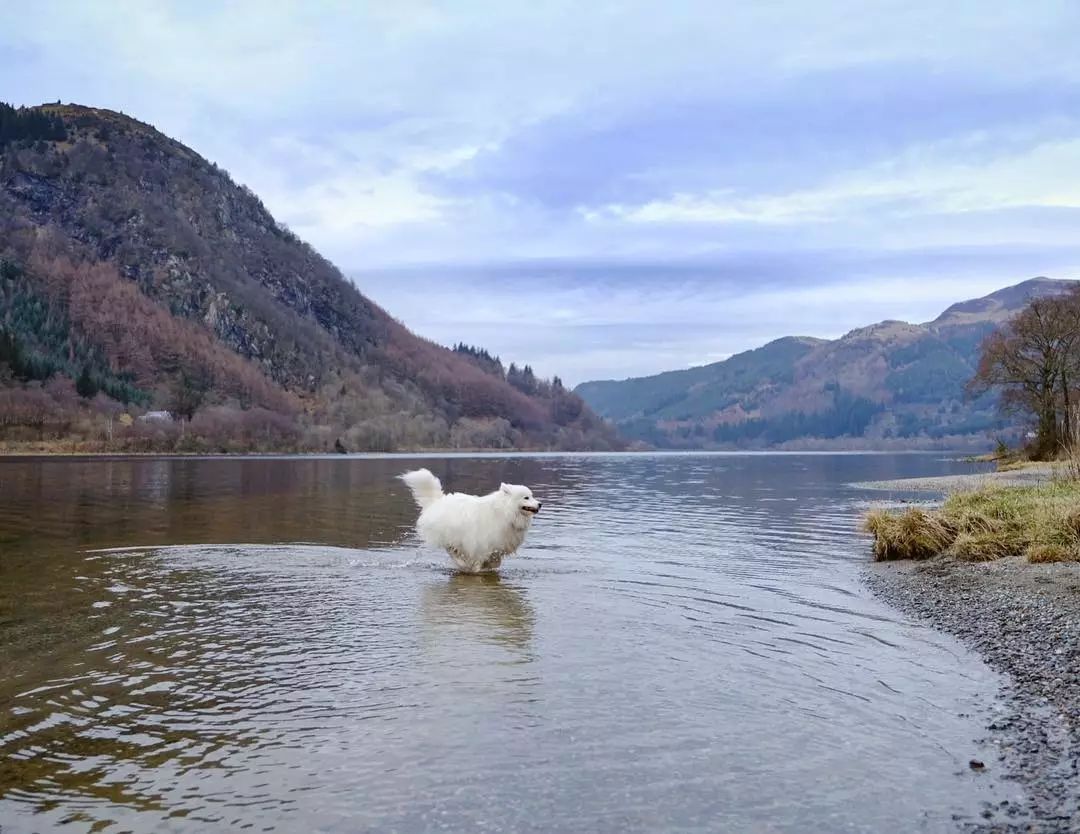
column 476, row 530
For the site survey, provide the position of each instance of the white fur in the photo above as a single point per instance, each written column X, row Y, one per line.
column 476, row 530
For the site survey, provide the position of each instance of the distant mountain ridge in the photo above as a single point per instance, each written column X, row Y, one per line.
column 889, row 384
column 131, row 264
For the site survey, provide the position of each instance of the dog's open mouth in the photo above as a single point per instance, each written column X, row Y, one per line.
column 533, row 510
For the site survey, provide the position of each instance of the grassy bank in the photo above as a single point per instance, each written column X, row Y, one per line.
column 1040, row 522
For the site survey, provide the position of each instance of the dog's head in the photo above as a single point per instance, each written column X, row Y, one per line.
column 522, row 498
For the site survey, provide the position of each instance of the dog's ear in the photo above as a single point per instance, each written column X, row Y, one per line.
column 505, row 488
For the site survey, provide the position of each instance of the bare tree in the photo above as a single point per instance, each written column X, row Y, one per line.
column 1035, row 361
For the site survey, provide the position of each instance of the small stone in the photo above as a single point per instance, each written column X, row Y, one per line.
column 975, row 764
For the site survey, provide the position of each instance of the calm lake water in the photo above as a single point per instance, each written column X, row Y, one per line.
column 683, row 644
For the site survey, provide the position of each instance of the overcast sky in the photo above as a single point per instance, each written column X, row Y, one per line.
column 607, row 189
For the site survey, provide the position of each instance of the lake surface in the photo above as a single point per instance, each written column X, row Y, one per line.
column 683, row 644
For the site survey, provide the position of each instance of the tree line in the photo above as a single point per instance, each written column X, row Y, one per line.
column 29, row 124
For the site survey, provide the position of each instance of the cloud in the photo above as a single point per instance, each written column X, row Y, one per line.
column 923, row 180
column 787, row 132
column 604, row 188
column 588, row 320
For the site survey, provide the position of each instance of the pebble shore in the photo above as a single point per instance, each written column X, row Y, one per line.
column 1024, row 620
column 1027, row 476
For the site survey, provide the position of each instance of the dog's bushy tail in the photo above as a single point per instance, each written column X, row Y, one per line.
column 426, row 488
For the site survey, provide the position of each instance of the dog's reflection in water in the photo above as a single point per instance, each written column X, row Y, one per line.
column 479, row 607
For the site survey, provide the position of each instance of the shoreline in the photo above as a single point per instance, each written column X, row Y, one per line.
column 1023, row 620
column 1025, row 475
column 14, row 454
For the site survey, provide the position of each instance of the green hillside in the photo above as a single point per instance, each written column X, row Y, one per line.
column 889, row 384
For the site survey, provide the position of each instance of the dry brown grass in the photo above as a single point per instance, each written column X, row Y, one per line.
column 913, row 534
column 1040, row 522
column 981, row 547
column 1045, row 553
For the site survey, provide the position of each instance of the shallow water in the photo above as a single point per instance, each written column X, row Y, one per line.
column 683, row 644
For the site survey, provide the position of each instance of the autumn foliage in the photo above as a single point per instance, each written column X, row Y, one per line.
column 135, row 277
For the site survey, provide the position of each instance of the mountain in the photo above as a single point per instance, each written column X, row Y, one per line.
column 889, row 384
column 136, row 275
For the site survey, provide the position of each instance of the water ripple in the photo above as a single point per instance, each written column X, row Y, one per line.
column 682, row 645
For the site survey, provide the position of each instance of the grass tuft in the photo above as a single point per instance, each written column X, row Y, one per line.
column 1041, row 522
column 1044, row 553
column 914, row 534
column 982, row 547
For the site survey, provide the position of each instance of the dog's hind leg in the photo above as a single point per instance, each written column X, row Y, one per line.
column 461, row 563
column 492, row 563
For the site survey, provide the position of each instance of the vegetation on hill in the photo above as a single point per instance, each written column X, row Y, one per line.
column 735, row 383
column 890, row 384
column 29, row 124
column 136, row 275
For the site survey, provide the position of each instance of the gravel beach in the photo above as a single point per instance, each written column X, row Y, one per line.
column 1024, row 620
column 1026, row 476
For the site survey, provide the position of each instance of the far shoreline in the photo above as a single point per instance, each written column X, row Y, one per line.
column 1025, row 475
column 964, row 455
